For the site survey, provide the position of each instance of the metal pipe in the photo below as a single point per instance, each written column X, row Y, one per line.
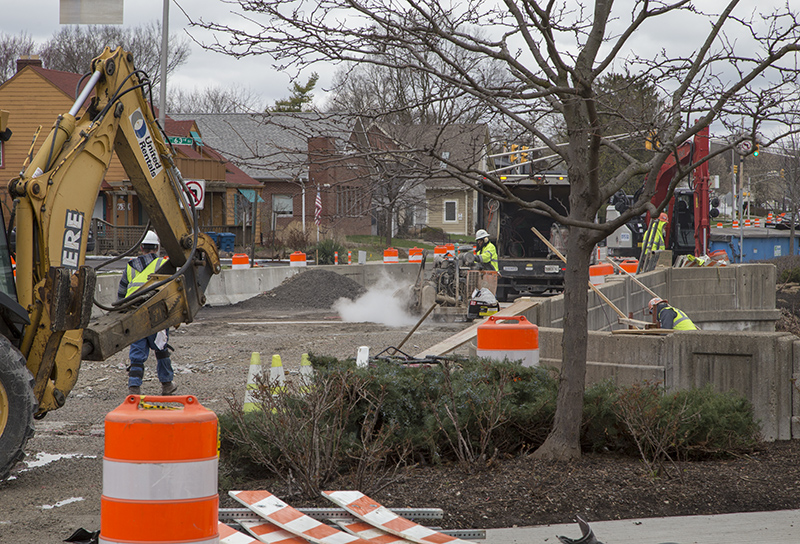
column 76, row 107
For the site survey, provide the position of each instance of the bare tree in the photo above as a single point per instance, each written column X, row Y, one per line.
column 738, row 71
column 213, row 100
column 73, row 47
column 11, row 48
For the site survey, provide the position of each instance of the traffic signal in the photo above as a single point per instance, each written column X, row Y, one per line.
column 755, row 151
column 524, row 154
column 513, row 157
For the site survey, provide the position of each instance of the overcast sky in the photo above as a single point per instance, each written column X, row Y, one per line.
column 40, row 19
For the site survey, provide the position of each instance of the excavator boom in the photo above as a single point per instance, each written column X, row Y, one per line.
column 55, row 195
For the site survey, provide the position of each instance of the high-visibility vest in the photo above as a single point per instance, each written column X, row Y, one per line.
column 681, row 321
column 488, row 254
column 654, row 237
column 138, row 279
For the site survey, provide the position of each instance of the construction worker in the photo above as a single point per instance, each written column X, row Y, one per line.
column 669, row 317
column 486, row 250
column 135, row 276
column 654, row 237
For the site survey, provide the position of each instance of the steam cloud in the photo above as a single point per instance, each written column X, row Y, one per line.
column 378, row 305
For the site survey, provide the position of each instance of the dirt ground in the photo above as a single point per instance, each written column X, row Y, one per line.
column 58, row 489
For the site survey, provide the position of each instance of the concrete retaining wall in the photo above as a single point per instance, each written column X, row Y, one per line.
column 758, row 365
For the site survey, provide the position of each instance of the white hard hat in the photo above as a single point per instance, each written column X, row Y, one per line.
column 655, row 302
column 481, row 234
column 151, row 239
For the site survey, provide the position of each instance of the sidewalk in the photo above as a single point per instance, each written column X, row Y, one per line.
column 781, row 527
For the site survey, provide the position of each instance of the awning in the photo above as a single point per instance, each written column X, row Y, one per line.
column 250, row 195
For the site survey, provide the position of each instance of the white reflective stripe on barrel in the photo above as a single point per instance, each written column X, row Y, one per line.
column 159, row 481
column 214, row 540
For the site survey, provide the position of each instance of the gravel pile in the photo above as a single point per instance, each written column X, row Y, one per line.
column 312, row 290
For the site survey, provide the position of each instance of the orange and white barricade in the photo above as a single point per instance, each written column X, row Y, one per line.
column 160, row 473
column 391, row 256
column 598, row 273
column 298, row 258
column 415, row 255
column 513, row 338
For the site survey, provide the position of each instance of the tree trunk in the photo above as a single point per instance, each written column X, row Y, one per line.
column 563, row 442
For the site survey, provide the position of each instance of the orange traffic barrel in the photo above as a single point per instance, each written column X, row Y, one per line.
column 629, row 265
column 415, row 255
column 451, row 249
column 598, row 273
column 513, row 338
column 439, row 251
column 349, row 257
column 160, row 472
column 240, row 260
column 298, row 258
column 390, row 256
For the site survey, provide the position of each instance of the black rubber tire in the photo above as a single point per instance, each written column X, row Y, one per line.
column 19, row 405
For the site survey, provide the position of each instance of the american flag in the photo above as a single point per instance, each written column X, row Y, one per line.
column 318, row 209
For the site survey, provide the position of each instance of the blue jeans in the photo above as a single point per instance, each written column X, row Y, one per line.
column 139, row 352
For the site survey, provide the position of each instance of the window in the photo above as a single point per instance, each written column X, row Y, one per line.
column 282, row 205
column 445, row 156
column 450, row 211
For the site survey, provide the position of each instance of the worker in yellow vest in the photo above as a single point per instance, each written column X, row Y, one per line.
column 669, row 317
column 136, row 274
column 486, row 250
column 654, row 237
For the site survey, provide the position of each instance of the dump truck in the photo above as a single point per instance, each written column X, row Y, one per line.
column 47, row 325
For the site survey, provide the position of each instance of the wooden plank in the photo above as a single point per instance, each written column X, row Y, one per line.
column 643, row 331
column 518, row 307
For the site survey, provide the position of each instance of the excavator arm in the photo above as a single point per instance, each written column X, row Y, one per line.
column 56, row 194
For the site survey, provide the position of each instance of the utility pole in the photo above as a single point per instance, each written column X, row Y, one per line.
column 162, row 108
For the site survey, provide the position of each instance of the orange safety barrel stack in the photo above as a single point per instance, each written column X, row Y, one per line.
column 240, row 260
column 598, row 273
column 391, row 256
column 415, row 255
column 160, row 473
column 513, row 338
column 735, row 224
column 298, row 258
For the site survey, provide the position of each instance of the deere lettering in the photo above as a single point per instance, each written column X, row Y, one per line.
column 71, row 246
column 149, row 152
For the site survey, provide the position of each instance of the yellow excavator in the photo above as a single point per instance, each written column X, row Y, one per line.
column 46, row 325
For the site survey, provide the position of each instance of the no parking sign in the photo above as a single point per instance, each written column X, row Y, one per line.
column 197, row 190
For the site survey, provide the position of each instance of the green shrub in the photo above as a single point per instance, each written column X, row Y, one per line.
column 790, row 275
column 601, row 430
column 717, row 424
column 367, row 420
column 326, row 251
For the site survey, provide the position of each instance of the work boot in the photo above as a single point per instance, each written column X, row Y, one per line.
column 134, row 390
column 168, row 388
